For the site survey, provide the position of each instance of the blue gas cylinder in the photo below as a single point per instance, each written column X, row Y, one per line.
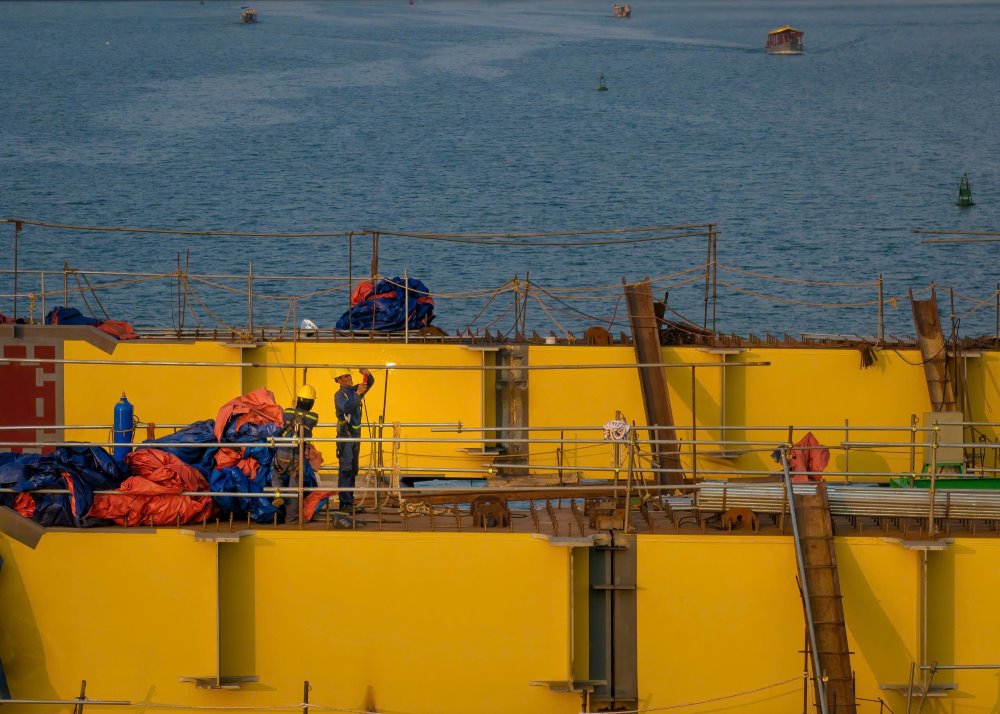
column 123, row 429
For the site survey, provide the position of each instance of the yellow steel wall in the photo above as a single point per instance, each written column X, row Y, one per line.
column 412, row 396
column 159, row 394
column 982, row 390
column 718, row 616
column 407, row 623
column 803, row 388
column 580, row 398
column 439, row 623
column 810, row 388
column 963, row 617
column 128, row 612
column 721, row 621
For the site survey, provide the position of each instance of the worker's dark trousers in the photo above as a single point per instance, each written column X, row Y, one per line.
column 347, row 473
column 285, row 473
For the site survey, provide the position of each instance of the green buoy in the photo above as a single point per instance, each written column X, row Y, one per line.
column 965, row 193
column 601, row 86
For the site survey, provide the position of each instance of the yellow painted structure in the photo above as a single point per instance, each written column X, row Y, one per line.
column 438, row 623
column 160, row 394
column 823, row 390
column 418, row 622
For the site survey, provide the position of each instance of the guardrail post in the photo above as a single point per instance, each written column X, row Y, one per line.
column 933, row 484
column 694, row 427
column 17, row 235
column 847, row 451
column 250, row 298
column 78, row 708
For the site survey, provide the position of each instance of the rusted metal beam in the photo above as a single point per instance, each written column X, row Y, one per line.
column 652, row 380
column 930, row 340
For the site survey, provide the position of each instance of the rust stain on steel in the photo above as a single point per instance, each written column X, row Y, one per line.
column 653, row 381
column 933, row 352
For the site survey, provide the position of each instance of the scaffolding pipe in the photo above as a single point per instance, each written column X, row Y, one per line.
column 331, row 365
column 960, row 666
column 459, row 428
column 91, row 702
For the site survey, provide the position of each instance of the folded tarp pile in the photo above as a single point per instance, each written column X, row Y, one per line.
column 387, row 305
column 71, row 316
column 153, row 495
column 80, row 469
column 153, row 481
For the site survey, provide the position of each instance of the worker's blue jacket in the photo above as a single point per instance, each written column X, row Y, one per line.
column 348, row 405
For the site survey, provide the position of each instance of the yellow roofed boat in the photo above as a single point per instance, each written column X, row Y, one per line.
column 784, row 41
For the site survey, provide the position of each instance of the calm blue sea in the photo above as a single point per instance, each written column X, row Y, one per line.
column 462, row 116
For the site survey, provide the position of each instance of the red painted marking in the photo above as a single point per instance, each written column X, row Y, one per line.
column 20, row 392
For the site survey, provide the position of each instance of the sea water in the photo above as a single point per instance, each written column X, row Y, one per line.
column 473, row 117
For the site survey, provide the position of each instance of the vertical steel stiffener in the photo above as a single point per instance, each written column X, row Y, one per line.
column 613, row 618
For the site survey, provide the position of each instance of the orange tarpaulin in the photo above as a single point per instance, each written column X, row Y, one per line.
column 152, row 495
column 234, row 457
column 362, row 292
column 808, row 455
column 256, row 407
column 25, row 505
column 313, row 501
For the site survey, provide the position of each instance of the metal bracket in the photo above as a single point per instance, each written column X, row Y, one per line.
column 575, row 685
column 24, row 530
column 940, row 544
column 218, row 539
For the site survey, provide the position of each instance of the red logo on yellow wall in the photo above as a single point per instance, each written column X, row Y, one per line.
column 29, row 397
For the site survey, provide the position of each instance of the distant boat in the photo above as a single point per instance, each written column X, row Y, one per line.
column 784, row 41
column 620, row 10
column 248, row 15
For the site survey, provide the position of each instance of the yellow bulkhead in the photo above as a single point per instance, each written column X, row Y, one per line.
column 459, row 622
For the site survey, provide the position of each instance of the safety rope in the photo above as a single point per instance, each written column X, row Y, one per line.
column 209, row 311
column 790, row 301
column 796, row 281
column 616, row 430
column 551, row 317
column 167, row 231
column 528, row 240
column 713, row 699
column 522, row 239
column 187, row 299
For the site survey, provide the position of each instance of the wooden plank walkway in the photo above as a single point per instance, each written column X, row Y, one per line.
column 822, row 587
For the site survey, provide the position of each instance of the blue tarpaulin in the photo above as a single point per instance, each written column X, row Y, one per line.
column 231, row 480
column 69, row 316
column 85, row 469
column 81, row 469
column 386, row 309
column 200, row 432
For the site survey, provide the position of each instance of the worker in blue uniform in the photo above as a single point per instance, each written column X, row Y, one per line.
column 298, row 421
column 347, row 401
